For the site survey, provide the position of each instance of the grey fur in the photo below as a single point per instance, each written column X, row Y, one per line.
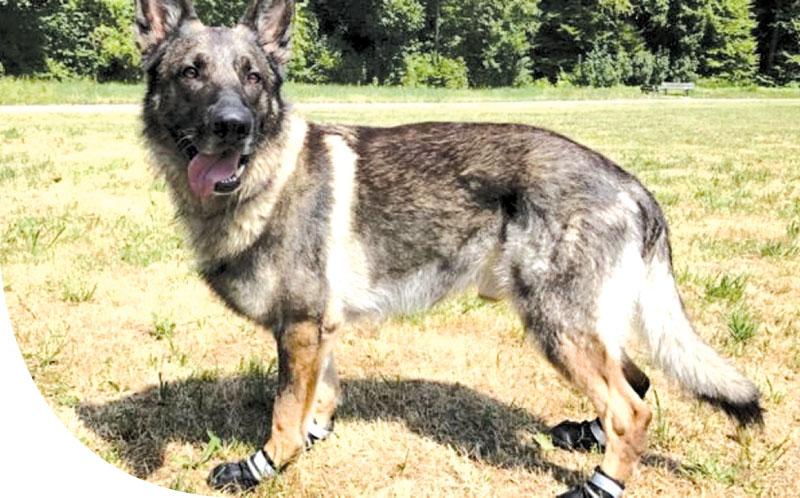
column 430, row 209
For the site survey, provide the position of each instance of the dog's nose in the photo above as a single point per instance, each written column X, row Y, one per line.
column 231, row 124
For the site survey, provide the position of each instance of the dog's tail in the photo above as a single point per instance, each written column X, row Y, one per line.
column 677, row 348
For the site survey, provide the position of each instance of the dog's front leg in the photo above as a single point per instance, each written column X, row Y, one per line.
column 302, row 350
column 327, row 400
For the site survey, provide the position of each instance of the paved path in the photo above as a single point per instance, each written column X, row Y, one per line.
column 518, row 106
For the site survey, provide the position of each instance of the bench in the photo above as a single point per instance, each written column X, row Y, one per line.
column 670, row 85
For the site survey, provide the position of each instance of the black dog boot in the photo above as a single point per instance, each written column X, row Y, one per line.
column 599, row 485
column 243, row 475
column 579, row 436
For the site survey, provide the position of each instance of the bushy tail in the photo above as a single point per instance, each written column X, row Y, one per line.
column 677, row 349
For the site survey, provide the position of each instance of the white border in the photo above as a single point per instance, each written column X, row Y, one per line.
column 38, row 455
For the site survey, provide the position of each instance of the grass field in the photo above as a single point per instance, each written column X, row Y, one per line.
column 27, row 91
column 151, row 372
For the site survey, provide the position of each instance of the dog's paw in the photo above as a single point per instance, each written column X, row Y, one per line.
column 318, row 432
column 599, row 485
column 232, row 476
column 243, row 475
column 578, row 436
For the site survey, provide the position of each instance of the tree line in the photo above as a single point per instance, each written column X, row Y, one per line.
column 450, row 43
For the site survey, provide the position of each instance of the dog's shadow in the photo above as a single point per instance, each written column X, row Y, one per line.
column 237, row 409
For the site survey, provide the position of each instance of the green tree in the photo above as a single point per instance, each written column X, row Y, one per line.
column 779, row 40
column 446, row 42
column 676, row 28
column 587, row 38
column 493, row 37
column 219, row 12
column 372, row 36
column 313, row 60
column 729, row 47
column 711, row 38
column 22, row 41
column 67, row 38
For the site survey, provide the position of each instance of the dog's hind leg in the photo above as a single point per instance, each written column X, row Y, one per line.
column 488, row 282
column 579, row 303
column 587, row 435
column 624, row 416
column 302, row 352
column 599, row 372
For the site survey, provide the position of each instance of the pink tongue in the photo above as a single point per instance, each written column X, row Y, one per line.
column 206, row 171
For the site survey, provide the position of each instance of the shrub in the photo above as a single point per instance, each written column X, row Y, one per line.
column 67, row 26
column 313, row 59
column 601, row 68
column 435, row 71
column 55, row 70
column 683, row 69
column 219, row 12
column 493, row 37
column 67, row 38
column 647, row 69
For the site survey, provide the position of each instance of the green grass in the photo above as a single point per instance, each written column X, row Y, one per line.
column 77, row 290
column 779, row 249
column 147, row 243
column 727, row 287
column 163, row 328
column 29, row 91
column 710, row 467
column 741, row 326
column 147, row 367
column 32, row 236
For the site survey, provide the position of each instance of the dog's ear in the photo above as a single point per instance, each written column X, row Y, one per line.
column 157, row 20
column 272, row 22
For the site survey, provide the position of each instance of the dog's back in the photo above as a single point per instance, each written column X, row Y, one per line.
column 304, row 227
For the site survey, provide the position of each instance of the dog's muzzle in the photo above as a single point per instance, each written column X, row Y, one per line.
column 233, row 182
column 219, row 174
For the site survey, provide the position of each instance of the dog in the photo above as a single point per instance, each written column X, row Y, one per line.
column 304, row 227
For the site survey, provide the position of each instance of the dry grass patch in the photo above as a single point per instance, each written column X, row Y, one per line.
column 148, row 369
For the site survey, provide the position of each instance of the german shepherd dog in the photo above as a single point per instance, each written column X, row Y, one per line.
column 303, row 227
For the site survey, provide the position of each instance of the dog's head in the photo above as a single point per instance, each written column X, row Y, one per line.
column 213, row 93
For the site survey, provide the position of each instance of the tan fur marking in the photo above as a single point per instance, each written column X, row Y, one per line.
column 327, row 394
column 626, row 421
column 616, row 303
column 624, row 415
column 301, row 351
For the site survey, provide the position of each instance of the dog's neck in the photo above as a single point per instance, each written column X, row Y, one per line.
column 238, row 220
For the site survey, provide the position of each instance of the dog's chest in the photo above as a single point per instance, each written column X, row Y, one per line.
column 267, row 287
column 249, row 287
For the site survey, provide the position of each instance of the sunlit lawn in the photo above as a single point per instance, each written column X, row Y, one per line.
column 28, row 91
column 150, row 371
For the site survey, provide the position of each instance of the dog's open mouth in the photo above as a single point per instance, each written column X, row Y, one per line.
column 216, row 174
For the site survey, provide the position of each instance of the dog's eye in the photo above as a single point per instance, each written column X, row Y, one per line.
column 253, row 78
column 190, row 73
